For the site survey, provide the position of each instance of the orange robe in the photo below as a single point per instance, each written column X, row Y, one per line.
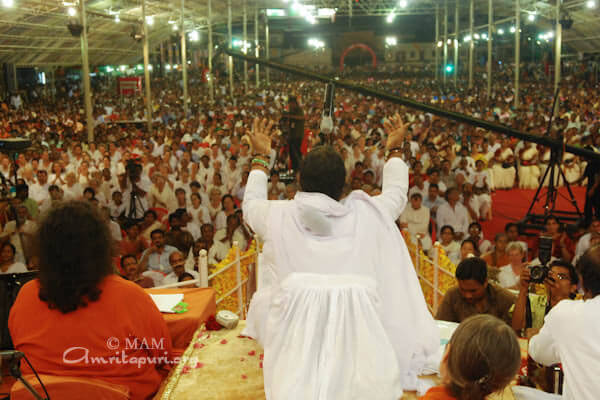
column 120, row 325
column 437, row 393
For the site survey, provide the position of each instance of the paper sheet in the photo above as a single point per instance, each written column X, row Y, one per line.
column 527, row 393
column 166, row 302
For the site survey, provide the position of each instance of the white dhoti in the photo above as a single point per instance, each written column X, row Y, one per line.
column 529, row 176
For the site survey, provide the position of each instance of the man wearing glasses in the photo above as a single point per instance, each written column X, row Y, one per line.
column 530, row 308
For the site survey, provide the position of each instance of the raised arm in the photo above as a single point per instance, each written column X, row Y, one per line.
column 393, row 197
column 255, row 204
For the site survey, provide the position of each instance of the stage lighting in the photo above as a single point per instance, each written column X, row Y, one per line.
column 8, row 3
column 150, row 20
column 71, row 12
column 591, row 4
column 467, row 38
column 531, row 17
column 440, row 43
column 403, row 3
column 513, row 29
column 194, row 36
column 390, row 18
column 500, row 31
column 449, row 68
column 476, row 36
column 391, row 41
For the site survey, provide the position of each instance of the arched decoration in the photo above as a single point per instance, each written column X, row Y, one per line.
column 358, row 46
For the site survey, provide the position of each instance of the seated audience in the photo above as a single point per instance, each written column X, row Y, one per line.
column 451, row 247
column 8, row 265
column 177, row 261
column 131, row 272
column 508, row 275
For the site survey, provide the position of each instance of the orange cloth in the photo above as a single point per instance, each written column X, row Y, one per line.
column 201, row 305
column 117, row 325
column 438, row 393
column 69, row 388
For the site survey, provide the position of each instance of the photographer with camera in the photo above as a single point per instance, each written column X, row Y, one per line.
column 530, row 309
column 570, row 334
column 134, row 187
column 292, row 125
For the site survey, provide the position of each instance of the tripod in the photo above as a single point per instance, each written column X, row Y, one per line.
column 554, row 172
column 135, row 203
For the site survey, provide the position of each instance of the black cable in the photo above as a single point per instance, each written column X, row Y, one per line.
column 37, row 377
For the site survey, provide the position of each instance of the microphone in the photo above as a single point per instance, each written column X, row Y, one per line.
column 326, row 120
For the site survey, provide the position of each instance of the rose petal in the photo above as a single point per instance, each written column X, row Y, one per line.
column 262, row 356
column 198, row 345
column 260, row 365
column 224, row 341
column 252, row 353
column 244, row 377
column 199, row 365
column 185, row 369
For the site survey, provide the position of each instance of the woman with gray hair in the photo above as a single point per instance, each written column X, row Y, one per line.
column 508, row 275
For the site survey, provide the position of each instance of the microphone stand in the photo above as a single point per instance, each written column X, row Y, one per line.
column 15, row 371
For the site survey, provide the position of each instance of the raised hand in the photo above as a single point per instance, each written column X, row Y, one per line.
column 396, row 130
column 260, row 137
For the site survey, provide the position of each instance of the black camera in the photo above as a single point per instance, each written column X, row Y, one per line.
column 539, row 273
column 133, row 169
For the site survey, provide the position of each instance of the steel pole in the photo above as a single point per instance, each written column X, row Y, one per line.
column 256, row 48
column 437, row 40
column 517, row 49
column 184, row 63
column 472, row 41
column 267, row 48
column 445, row 41
column 245, row 28
column 147, row 70
column 456, row 42
column 85, row 72
column 211, row 83
column 489, row 48
column 558, row 50
column 230, row 46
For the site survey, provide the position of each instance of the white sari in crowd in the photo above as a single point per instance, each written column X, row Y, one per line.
column 339, row 310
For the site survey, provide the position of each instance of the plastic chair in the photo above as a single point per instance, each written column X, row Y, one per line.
column 70, row 388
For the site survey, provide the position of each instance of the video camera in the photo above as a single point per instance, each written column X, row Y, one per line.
column 133, row 169
column 539, row 273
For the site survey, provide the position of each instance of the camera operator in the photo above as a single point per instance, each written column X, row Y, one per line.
column 570, row 334
column 292, row 124
column 134, row 187
column 530, row 308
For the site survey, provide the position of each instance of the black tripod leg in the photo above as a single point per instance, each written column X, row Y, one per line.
column 537, row 192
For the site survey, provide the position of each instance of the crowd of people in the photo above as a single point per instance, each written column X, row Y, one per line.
column 168, row 194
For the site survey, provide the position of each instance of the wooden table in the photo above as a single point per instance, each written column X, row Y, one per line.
column 201, row 305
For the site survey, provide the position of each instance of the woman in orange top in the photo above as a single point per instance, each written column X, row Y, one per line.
column 79, row 319
column 482, row 357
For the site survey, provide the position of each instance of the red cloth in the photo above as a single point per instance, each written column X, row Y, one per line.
column 116, row 325
column 438, row 393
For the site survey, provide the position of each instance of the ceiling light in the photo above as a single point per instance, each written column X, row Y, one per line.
column 403, row 4
column 500, row 31
column 531, row 17
column 391, row 41
column 449, row 41
column 476, row 36
column 440, row 43
column 194, row 36
column 390, row 18
column 8, row 3
column 175, row 27
column 150, row 20
column 467, row 38
column 513, row 29
column 71, row 11
column 591, row 4
column 117, row 19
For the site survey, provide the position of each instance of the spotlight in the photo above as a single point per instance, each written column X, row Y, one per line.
column 71, row 11
column 8, row 3
column 150, row 20
column 390, row 18
column 449, row 41
column 591, row 4
column 391, row 41
column 449, row 68
column 175, row 28
column 467, row 38
column 194, row 36
column 440, row 43
column 531, row 17
column 403, row 3
column 484, row 36
column 500, row 31
column 476, row 36
column 513, row 29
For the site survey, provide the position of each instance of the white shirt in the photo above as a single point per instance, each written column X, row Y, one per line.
column 570, row 337
column 15, row 268
column 457, row 217
column 172, row 278
column 417, row 220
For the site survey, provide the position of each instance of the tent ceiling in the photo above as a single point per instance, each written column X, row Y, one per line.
column 34, row 32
